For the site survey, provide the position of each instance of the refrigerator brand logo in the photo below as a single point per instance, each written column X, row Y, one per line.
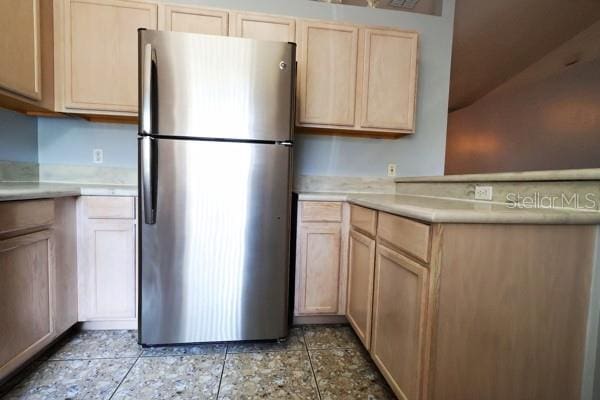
column 588, row 201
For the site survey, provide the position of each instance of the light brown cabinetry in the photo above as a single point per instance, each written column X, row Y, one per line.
column 472, row 311
column 356, row 80
column 320, row 260
column 196, row 20
column 399, row 321
column 26, row 45
column 263, row 27
column 38, row 280
column 80, row 57
column 361, row 271
column 319, row 268
column 20, row 64
column 387, row 80
column 100, row 54
column 26, row 297
column 107, row 262
column 65, row 252
column 327, row 65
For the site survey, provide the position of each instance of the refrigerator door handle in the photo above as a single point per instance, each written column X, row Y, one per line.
column 148, row 178
column 146, row 119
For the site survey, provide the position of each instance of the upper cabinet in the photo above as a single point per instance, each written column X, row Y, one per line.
column 356, row 80
column 196, row 20
column 326, row 74
column 263, row 27
column 20, row 65
column 387, row 80
column 100, row 54
column 80, row 57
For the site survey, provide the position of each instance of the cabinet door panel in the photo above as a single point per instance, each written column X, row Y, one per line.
column 388, row 79
column 196, row 20
column 110, row 269
column 263, row 27
column 101, row 53
column 27, row 271
column 318, row 269
column 20, row 64
column 399, row 311
column 361, row 269
column 327, row 74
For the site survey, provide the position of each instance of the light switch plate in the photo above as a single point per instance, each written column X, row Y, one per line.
column 483, row 192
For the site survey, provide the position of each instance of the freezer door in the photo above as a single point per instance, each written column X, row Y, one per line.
column 214, row 264
column 215, row 87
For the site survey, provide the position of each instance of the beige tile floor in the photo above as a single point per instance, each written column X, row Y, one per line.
column 316, row 362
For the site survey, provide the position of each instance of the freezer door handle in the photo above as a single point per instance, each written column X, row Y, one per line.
column 148, row 160
column 148, row 95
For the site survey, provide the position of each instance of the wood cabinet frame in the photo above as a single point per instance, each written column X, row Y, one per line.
column 33, row 348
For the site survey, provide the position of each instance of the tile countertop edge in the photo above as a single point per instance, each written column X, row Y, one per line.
column 439, row 214
column 590, row 174
column 32, row 191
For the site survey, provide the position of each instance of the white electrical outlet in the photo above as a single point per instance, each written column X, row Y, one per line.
column 483, row 192
column 391, row 169
column 98, row 156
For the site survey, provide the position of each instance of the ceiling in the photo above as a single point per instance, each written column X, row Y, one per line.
column 420, row 6
column 496, row 39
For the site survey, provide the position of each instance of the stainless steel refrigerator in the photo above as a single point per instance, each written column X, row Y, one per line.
column 215, row 139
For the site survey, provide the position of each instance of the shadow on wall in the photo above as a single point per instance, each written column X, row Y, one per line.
column 546, row 125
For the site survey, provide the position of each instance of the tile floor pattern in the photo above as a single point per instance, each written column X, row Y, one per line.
column 316, row 362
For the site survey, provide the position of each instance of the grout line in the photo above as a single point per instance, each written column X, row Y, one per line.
column 311, row 365
column 125, row 376
column 222, row 370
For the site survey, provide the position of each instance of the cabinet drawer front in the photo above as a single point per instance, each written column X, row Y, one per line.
column 321, row 211
column 28, row 214
column 407, row 235
column 363, row 219
column 110, row 207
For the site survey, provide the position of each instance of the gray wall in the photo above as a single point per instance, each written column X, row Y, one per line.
column 548, row 125
column 545, row 118
column 18, row 137
column 72, row 141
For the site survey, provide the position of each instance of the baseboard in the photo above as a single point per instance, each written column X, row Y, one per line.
column 129, row 324
column 319, row 319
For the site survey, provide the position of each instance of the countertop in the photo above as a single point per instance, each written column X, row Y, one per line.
column 589, row 174
column 438, row 209
column 34, row 190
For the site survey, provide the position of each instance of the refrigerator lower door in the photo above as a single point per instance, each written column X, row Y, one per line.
column 214, row 265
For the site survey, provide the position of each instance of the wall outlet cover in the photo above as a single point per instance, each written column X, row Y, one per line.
column 98, row 156
column 484, row 192
column 391, row 170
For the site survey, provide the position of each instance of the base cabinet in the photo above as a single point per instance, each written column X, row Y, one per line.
column 26, row 297
column 361, row 258
column 399, row 313
column 321, row 273
column 107, row 263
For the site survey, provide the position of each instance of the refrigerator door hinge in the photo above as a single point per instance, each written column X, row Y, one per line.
column 287, row 144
